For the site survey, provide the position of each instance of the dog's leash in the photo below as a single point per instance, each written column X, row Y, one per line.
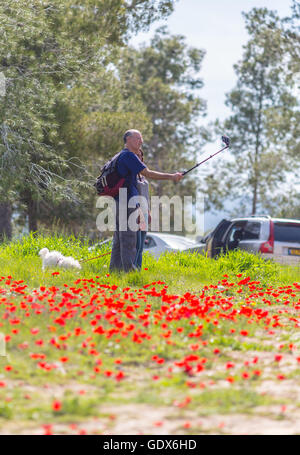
column 96, row 257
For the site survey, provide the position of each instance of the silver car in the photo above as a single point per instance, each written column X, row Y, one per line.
column 157, row 243
column 272, row 237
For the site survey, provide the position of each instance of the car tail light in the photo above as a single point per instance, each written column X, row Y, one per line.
column 268, row 247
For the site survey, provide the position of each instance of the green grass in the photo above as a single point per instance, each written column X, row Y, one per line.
column 227, row 401
column 182, row 273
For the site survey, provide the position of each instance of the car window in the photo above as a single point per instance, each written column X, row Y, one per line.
column 287, row 232
column 149, row 242
column 251, row 231
column 235, row 233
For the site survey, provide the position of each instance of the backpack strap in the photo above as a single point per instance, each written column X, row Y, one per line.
column 111, row 163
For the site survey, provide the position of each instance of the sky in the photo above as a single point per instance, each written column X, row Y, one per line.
column 218, row 27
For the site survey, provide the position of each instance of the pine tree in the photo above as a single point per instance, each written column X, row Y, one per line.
column 165, row 76
column 264, row 120
column 44, row 48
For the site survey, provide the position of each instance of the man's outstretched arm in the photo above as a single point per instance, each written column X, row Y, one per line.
column 154, row 175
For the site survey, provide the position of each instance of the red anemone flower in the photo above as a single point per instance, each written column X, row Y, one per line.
column 56, row 405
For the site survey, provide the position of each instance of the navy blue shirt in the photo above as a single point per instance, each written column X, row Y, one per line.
column 129, row 166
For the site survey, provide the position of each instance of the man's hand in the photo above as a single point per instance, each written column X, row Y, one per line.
column 177, row 177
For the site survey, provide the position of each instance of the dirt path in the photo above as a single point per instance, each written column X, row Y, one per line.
column 141, row 419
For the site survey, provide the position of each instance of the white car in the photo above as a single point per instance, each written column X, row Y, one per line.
column 157, row 243
column 105, row 242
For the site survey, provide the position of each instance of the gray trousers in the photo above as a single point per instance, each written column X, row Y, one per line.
column 124, row 245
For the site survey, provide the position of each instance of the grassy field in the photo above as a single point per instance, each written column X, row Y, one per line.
column 189, row 345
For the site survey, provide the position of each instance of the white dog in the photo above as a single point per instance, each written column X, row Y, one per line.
column 56, row 259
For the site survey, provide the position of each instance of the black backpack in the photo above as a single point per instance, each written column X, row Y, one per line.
column 109, row 181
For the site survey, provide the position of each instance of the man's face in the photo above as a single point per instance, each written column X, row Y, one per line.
column 135, row 141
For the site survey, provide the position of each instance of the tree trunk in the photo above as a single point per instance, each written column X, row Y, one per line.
column 32, row 213
column 5, row 221
column 254, row 200
column 258, row 145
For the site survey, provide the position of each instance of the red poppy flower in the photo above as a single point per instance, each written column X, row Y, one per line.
column 158, row 424
column 280, row 377
column 107, row 373
column 56, row 405
column 48, row 430
column 119, row 376
column 160, row 361
column 257, row 372
column 64, row 359
column 39, row 342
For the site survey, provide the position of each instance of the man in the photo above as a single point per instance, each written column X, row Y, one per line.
column 128, row 166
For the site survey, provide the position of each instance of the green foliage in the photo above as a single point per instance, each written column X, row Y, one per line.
column 153, row 89
column 143, row 12
column 264, row 124
column 79, row 407
column 45, row 50
column 286, row 205
column 6, row 411
column 183, row 271
column 228, row 401
column 31, row 244
column 94, row 116
column 231, row 263
column 165, row 76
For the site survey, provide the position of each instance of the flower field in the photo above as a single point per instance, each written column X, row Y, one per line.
column 188, row 346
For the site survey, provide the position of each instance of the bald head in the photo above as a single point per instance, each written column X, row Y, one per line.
column 129, row 133
column 133, row 140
